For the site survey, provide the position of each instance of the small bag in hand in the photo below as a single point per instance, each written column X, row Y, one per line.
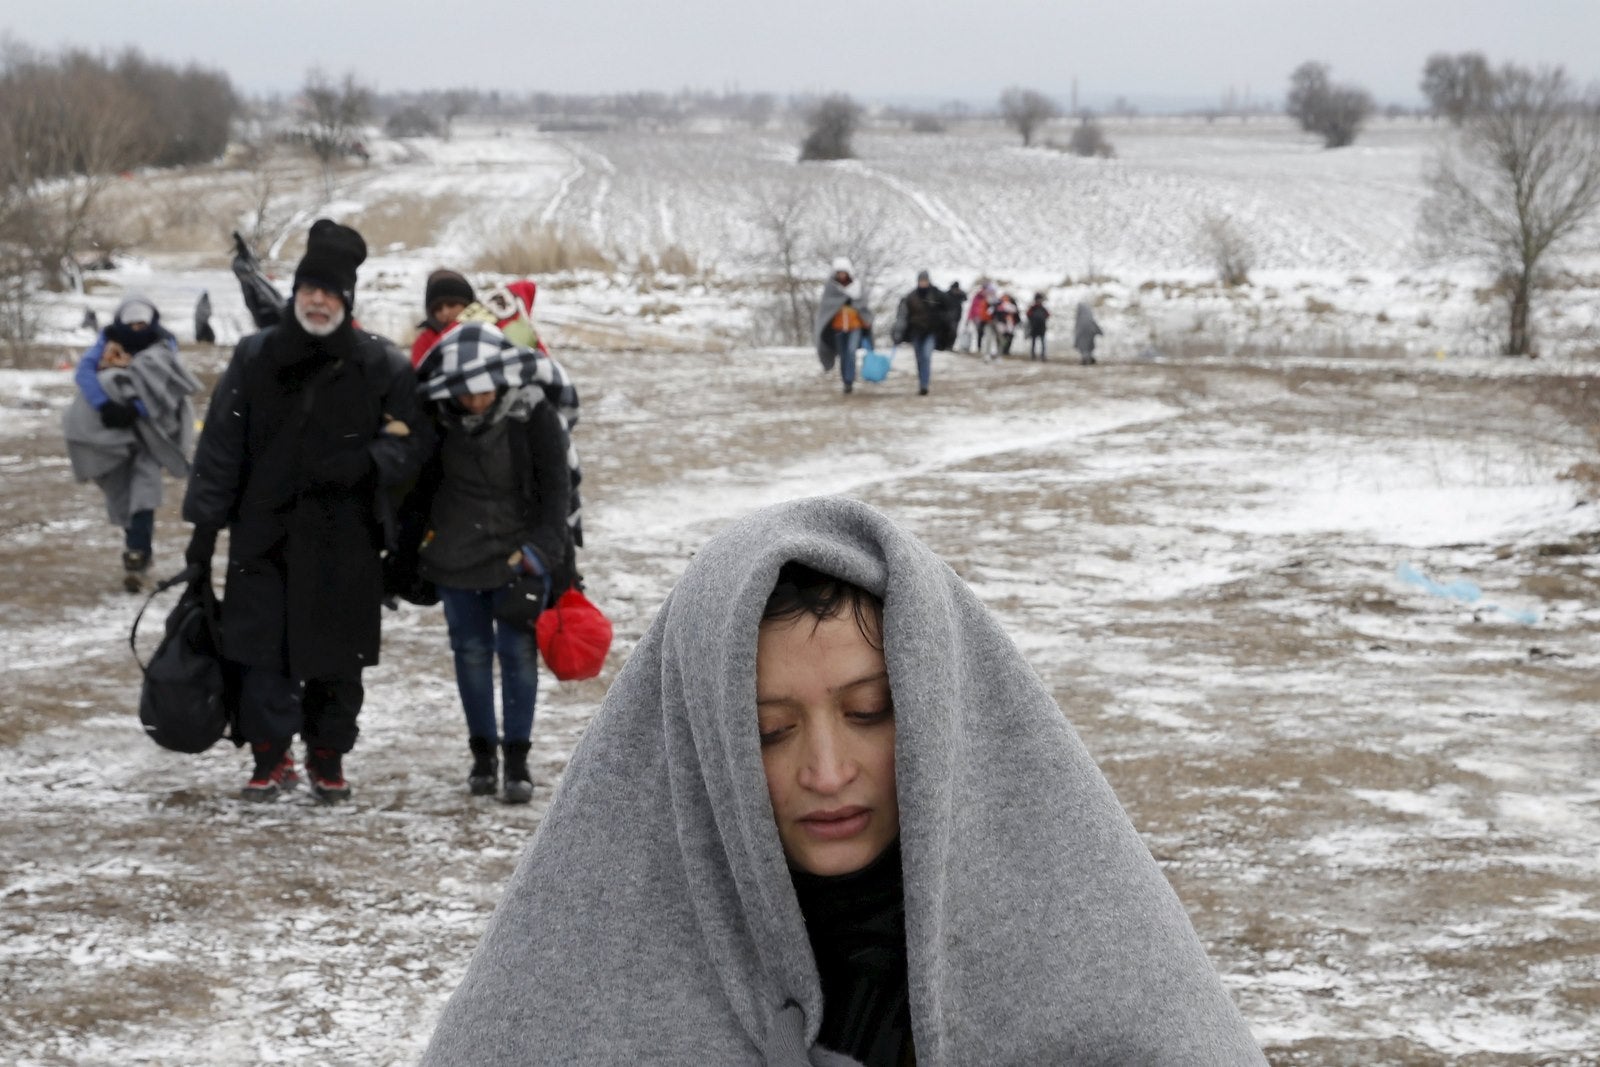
column 525, row 600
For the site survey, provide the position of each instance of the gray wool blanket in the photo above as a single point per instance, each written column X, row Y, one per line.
column 653, row 918
column 127, row 463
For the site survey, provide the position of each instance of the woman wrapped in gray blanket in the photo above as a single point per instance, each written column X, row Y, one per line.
column 131, row 420
column 827, row 814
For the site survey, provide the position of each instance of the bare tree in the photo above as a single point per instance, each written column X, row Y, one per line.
column 830, row 127
column 1222, row 241
column 1025, row 110
column 782, row 216
column 1333, row 112
column 334, row 114
column 1457, row 86
column 864, row 231
column 1521, row 185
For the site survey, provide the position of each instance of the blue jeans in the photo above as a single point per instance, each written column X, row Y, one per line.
column 476, row 638
column 923, row 347
column 845, row 343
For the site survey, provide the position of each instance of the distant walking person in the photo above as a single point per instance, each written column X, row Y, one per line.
column 203, row 333
column 978, row 315
column 310, row 425
column 923, row 321
column 1084, row 331
column 955, row 304
column 843, row 319
column 131, row 420
column 1007, row 317
column 1038, row 324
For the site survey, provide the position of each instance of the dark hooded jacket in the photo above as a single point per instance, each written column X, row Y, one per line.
column 295, row 460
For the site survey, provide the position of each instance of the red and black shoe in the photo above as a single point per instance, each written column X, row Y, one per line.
column 323, row 765
column 274, row 773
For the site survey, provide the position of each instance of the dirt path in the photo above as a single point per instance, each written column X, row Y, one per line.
column 1382, row 811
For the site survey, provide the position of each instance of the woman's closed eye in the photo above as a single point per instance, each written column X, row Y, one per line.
column 871, row 717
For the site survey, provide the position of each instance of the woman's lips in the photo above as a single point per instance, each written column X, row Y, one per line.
column 836, row 824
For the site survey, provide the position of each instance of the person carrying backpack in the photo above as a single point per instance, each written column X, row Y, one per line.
column 310, row 426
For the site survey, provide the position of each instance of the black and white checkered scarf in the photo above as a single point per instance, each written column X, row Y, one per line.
column 476, row 357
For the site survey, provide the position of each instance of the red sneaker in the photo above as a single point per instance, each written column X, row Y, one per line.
column 323, row 765
column 271, row 777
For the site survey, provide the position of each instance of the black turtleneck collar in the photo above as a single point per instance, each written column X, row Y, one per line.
column 298, row 354
column 856, row 925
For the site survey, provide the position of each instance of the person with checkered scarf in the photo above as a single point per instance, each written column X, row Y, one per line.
column 493, row 504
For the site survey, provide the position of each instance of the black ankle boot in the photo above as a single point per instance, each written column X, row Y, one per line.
column 485, row 767
column 519, row 783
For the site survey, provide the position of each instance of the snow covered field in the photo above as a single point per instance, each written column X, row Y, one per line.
column 1381, row 806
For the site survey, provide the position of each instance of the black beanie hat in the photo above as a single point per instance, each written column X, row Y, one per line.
column 446, row 285
column 333, row 252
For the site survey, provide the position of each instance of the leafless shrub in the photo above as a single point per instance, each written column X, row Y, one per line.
column 673, row 259
column 924, row 122
column 1521, row 186
column 1225, row 244
column 413, row 120
column 829, row 129
column 1333, row 112
column 782, row 216
column 1089, row 140
column 542, row 249
column 1025, row 110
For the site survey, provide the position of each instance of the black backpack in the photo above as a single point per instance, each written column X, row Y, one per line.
column 189, row 698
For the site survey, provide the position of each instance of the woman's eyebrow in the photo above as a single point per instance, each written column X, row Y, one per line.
column 881, row 676
column 870, row 679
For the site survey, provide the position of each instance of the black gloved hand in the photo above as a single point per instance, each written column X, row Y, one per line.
column 201, row 546
column 118, row 414
column 341, row 469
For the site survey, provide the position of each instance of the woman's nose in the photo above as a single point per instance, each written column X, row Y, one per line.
column 828, row 765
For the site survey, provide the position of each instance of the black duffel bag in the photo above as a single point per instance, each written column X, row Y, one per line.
column 189, row 698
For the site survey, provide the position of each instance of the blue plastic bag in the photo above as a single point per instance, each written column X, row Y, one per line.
column 875, row 365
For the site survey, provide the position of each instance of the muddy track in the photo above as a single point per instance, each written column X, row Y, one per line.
column 1381, row 809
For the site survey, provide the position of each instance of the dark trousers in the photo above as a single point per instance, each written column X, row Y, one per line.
column 139, row 534
column 275, row 707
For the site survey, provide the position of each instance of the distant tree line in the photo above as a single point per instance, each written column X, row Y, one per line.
column 71, row 121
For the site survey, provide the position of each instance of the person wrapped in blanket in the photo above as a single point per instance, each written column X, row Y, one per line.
column 487, row 523
column 131, row 420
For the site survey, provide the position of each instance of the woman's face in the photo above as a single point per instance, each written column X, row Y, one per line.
column 827, row 741
column 477, row 403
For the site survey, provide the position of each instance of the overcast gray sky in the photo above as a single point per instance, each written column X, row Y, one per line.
column 1152, row 51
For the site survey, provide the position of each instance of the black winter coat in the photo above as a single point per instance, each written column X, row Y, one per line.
column 294, row 459
column 538, row 459
column 922, row 312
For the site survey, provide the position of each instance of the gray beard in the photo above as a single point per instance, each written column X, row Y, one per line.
column 319, row 331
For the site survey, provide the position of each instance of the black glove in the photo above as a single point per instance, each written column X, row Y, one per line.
column 118, row 415
column 341, row 469
column 201, row 546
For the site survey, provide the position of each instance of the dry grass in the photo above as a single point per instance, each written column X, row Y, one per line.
column 401, row 222
column 542, row 249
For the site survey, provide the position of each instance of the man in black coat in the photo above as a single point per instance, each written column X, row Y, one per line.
column 923, row 320
column 311, row 423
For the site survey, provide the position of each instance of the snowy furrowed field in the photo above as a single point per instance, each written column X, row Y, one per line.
column 1380, row 804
